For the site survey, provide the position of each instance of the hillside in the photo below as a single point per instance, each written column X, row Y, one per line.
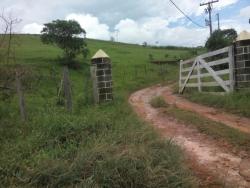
column 94, row 146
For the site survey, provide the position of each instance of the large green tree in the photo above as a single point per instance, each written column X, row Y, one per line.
column 67, row 35
column 220, row 39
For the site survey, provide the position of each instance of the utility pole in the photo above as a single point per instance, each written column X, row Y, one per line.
column 209, row 11
column 116, row 33
column 218, row 19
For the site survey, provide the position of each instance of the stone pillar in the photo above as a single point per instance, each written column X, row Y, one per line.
column 101, row 74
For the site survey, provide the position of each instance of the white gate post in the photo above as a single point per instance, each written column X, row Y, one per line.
column 199, row 76
column 231, row 68
column 180, row 75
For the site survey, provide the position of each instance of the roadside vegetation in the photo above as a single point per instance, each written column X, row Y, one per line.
column 158, row 102
column 214, row 129
column 237, row 102
column 95, row 145
column 204, row 125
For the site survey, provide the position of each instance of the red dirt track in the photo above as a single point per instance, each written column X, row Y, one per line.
column 210, row 159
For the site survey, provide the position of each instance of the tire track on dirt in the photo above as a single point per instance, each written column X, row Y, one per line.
column 206, row 156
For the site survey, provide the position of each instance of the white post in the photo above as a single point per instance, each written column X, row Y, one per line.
column 199, row 76
column 180, row 76
column 231, row 68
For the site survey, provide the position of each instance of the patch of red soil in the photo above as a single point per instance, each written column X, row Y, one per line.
column 210, row 159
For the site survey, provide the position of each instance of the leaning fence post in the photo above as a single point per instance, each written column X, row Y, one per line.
column 231, row 68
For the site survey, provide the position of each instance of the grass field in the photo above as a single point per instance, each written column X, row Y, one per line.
column 94, row 146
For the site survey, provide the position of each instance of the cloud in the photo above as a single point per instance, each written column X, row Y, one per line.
column 136, row 21
column 223, row 3
column 92, row 25
column 239, row 22
column 33, row 28
column 245, row 12
column 155, row 30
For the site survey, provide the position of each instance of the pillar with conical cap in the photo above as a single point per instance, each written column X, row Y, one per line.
column 242, row 60
column 101, row 74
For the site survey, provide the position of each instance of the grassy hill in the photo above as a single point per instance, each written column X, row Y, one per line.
column 96, row 145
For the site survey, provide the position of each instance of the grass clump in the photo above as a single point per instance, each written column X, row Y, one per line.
column 158, row 102
column 212, row 128
column 237, row 102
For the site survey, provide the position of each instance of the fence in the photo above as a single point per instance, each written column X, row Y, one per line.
column 213, row 69
column 54, row 87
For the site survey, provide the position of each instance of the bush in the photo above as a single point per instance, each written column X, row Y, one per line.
column 220, row 39
column 158, row 102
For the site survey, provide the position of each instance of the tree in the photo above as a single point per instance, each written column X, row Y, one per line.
column 7, row 23
column 6, row 38
column 70, row 37
column 220, row 39
column 67, row 35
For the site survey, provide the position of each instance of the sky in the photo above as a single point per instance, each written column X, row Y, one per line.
column 156, row 22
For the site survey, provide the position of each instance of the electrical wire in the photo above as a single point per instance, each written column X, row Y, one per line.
column 186, row 15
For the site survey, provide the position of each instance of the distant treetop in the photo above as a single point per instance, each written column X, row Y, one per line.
column 67, row 35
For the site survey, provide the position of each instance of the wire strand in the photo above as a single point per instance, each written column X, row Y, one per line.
column 186, row 15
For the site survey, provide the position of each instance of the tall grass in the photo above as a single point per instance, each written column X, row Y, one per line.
column 237, row 102
column 94, row 146
column 158, row 102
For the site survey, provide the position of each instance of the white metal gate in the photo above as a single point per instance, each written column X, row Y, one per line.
column 218, row 65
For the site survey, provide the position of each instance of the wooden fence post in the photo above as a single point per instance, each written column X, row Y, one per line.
column 67, row 88
column 20, row 95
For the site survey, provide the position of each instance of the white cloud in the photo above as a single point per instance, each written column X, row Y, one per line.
column 33, row 28
column 151, row 30
column 239, row 22
column 223, row 3
column 245, row 12
column 136, row 21
column 156, row 30
column 130, row 31
column 236, row 24
column 92, row 25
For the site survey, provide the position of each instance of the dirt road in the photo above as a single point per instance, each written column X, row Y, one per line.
column 210, row 160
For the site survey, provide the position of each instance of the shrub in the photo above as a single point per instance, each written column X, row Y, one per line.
column 158, row 102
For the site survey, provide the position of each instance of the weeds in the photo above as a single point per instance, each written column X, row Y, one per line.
column 212, row 128
column 237, row 102
column 94, row 146
column 158, row 102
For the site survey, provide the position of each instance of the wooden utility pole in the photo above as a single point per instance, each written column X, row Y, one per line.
column 218, row 20
column 209, row 11
column 116, row 34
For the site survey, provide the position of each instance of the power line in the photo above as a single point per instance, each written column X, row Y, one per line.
column 186, row 15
